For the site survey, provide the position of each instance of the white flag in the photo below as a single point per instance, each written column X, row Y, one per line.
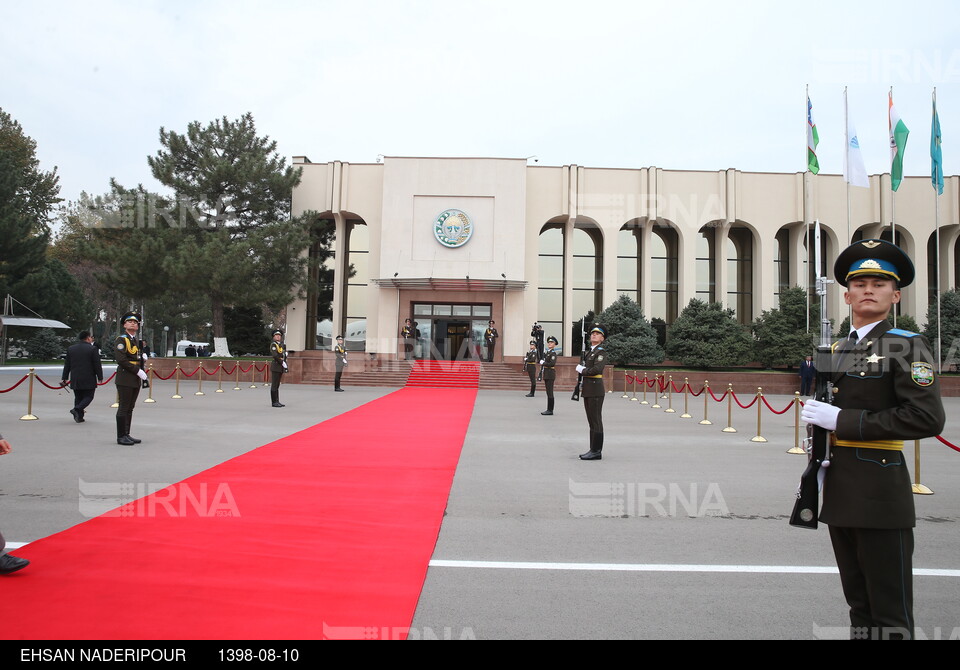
column 854, row 171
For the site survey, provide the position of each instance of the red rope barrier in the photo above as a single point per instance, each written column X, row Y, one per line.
column 22, row 379
column 744, row 406
column 190, row 374
column 209, row 374
column 720, row 399
column 230, row 371
column 161, row 377
column 107, row 380
column 627, row 379
column 242, row 371
column 55, row 388
column 784, row 411
column 698, row 393
column 952, row 446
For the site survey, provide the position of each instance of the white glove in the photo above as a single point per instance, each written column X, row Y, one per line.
column 820, row 414
column 144, row 357
column 541, row 362
column 580, row 369
column 142, row 375
column 284, row 364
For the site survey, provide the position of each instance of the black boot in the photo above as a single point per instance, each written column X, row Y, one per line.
column 122, row 437
column 135, row 440
column 596, row 446
column 549, row 411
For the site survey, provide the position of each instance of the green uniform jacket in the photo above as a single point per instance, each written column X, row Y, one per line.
column 127, row 354
column 593, row 364
column 887, row 389
column 549, row 365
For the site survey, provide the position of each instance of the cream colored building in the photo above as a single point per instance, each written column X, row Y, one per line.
column 547, row 244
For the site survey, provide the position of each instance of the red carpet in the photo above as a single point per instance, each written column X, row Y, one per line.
column 445, row 374
column 324, row 534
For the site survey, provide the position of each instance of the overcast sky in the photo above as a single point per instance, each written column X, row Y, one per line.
column 680, row 84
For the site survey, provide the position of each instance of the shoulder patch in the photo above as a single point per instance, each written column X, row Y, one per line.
column 921, row 373
column 120, row 346
column 902, row 333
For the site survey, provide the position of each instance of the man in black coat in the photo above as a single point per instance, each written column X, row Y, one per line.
column 82, row 371
column 808, row 374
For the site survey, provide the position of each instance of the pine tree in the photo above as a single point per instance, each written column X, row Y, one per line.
column 949, row 326
column 781, row 334
column 708, row 336
column 631, row 340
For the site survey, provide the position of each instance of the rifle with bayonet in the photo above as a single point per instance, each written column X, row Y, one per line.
column 805, row 509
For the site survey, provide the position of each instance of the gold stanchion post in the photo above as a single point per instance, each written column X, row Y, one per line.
column 758, row 437
column 237, row 387
column 656, row 392
column 686, row 399
column 625, row 394
column 253, row 372
column 220, row 377
column 176, row 393
column 918, row 488
column 796, row 449
column 149, row 384
column 199, row 380
column 670, row 409
column 644, row 402
column 729, row 428
column 29, row 415
column 706, row 394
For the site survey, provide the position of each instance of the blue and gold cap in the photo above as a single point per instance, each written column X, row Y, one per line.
column 131, row 316
column 552, row 339
column 874, row 258
column 597, row 328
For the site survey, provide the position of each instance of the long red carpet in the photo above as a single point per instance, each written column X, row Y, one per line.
column 324, row 534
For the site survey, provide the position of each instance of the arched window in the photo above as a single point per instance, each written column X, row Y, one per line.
column 587, row 270
column 782, row 262
column 320, row 289
column 740, row 273
column 550, row 279
column 664, row 244
column 629, row 270
column 356, row 291
column 706, row 264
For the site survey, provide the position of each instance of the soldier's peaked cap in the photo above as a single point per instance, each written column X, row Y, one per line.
column 874, row 258
column 131, row 316
column 597, row 328
column 552, row 339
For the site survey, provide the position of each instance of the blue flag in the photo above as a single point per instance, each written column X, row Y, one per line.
column 936, row 155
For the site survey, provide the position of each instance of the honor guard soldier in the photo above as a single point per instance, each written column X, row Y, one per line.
column 592, row 391
column 490, row 336
column 548, row 370
column 341, row 353
column 130, row 376
column 885, row 391
column 530, row 367
column 406, row 334
column 278, row 366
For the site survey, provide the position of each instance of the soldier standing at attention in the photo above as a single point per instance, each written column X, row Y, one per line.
column 530, row 367
column 278, row 351
column 341, row 353
column 549, row 372
column 130, row 376
column 406, row 334
column 886, row 391
column 593, row 392
column 490, row 336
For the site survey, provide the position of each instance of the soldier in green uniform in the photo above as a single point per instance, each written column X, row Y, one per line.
column 530, row 367
column 130, row 376
column 592, row 391
column 341, row 353
column 490, row 336
column 406, row 334
column 548, row 370
column 278, row 366
column 885, row 391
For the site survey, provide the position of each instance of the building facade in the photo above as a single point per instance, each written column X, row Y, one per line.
column 453, row 243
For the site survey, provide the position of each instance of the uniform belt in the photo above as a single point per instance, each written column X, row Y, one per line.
column 889, row 445
column 594, row 376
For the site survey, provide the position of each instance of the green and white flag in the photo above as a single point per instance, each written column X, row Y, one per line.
column 898, row 143
column 813, row 139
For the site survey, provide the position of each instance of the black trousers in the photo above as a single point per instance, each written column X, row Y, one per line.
column 127, row 400
column 532, row 373
column 336, row 379
column 275, row 386
column 876, row 571
column 82, row 399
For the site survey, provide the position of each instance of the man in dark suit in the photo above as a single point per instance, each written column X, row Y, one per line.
column 82, row 371
column 808, row 373
column 886, row 391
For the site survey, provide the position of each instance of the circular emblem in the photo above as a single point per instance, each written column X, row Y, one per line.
column 453, row 228
column 806, row 515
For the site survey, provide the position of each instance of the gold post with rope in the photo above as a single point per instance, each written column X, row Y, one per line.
column 237, row 387
column 796, row 449
column 686, row 399
column 253, row 372
column 758, row 437
column 176, row 393
column 625, row 395
column 706, row 393
column 644, row 402
column 670, row 409
column 729, row 428
column 656, row 392
column 200, row 379
column 917, row 487
column 219, row 377
column 29, row 415
column 149, row 385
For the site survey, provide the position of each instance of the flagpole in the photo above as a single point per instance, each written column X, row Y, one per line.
column 807, row 197
column 936, row 198
column 846, row 159
column 893, row 207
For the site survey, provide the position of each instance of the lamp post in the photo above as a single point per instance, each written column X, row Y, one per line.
column 166, row 329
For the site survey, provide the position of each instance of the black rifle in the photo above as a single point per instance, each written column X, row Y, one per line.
column 576, row 390
column 804, row 513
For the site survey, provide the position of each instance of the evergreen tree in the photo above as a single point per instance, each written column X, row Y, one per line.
column 949, row 326
column 245, row 248
column 246, row 331
column 631, row 339
column 781, row 334
column 708, row 336
column 44, row 345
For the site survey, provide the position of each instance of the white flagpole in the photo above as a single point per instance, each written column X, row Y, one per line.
column 893, row 208
column 936, row 197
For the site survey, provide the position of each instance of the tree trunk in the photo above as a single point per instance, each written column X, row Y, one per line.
column 220, row 348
